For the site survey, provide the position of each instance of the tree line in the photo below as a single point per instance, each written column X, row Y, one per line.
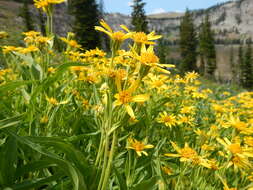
column 195, row 43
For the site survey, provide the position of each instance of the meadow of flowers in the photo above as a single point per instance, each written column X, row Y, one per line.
column 91, row 120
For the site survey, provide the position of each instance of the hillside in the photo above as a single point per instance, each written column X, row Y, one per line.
column 233, row 20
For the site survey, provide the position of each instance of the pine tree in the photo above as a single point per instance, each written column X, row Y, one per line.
column 162, row 51
column 104, row 39
column 26, row 15
column 188, row 43
column 42, row 22
column 207, row 47
column 241, row 64
column 139, row 20
column 232, row 65
column 86, row 18
column 248, row 70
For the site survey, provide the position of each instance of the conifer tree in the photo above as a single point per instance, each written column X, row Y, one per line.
column 162, row 51
column 207, row 47
column 241, row 64
column 104, row 39
column 248, row 70
column 42, row 22
column 232, row 65
column 86, row 18
column 188, row 43
column 26, row 15
column 139, row 20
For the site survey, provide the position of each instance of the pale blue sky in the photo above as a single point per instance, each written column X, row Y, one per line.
column 156, row 6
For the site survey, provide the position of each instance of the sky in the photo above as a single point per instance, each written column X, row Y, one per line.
column 158, row 6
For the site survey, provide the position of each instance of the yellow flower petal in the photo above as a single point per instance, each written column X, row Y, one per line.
column 104, row 24
column 172, row 155
column 129, row 111
column 140, row 98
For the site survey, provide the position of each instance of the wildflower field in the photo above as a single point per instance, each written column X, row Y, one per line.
column 91, row 120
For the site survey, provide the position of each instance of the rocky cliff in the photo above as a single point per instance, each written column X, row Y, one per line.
column 233, row 19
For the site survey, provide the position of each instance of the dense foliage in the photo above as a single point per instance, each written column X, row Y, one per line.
column 86, row 15
column 139, row 20
column 207, row 47
column 188, row 43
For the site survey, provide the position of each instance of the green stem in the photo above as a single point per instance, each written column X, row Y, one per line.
column 104, row 162
column 109, row 165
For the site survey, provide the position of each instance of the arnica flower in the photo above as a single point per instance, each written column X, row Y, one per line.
column 186, row 120
column 51, row 70
column 185, row 154
column 27, row 50
column 249, row 141
column 125, row 97
column 44, row 120
column 142, row 37
column 7, row 49
column 191, row 76
column 167, row 170
column 45, row 3
column 54, row 102
column 138, row 146
column 168, row 120
column 3, row 34
column 241, row 126
column 118, row 36
column 235, row 148
column 188, row 110
column 71, row 43
column 240, row 154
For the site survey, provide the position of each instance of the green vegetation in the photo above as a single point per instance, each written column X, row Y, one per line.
column 247, row 72
column 139, row 20
column 207, row 48
column 188, row 43
column 86, row 15
column 27, row 16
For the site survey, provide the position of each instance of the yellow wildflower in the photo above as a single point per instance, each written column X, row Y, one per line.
column 124, row 97
column 185, row 154
column 45, row 3
column 44, row 119
column 118, row 36
column 51, row 70
column 3, row 34
column 138, row 146
column 168, row 120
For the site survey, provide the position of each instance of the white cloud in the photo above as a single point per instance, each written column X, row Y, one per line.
column 130, row 3
column 178, row 11
column 158, row 10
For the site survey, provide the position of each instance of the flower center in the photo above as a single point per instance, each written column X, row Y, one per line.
column 140, row 37
column 235, row 148
column 149, row 58
column 188, row 152
column 138, row 146
column 125, row 97
column 118, row 36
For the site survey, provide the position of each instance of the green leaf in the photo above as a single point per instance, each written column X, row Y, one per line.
column 37, row 72
column 65, row 166
column 149, row 184
column 8, row 161
column 34, row 166
column 5, row 123
column 121, row 181
column 27, row 58
column 13, row 85
column 36, row 183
